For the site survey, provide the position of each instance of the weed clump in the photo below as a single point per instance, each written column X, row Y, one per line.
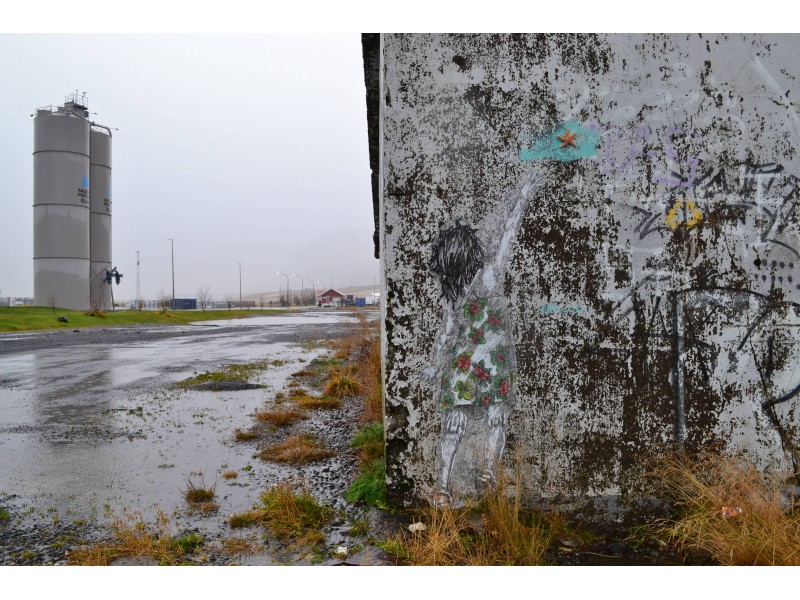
column 295, row 450
column 728, row 508
column 341, row 384
column 246, row 519
column 502, row 532
column 243, row 436
column 199, row 493
column 280, row 418
column 287, row 513
column 230, row 475
column 290, row 514
column 317, row 403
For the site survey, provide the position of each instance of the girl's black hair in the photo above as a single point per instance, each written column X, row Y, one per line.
column 457, row 256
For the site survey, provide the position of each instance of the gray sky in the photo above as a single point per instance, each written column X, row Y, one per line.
column 248, row 148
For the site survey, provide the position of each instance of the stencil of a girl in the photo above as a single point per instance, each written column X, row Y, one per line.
column 473, row 364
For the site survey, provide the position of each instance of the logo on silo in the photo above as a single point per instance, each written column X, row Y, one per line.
column 107, row 201
column 83, row 190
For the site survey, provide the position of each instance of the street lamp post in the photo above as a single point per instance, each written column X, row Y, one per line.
column 314, row 288
column 288, row 297
column 172, row 246
column 240, row 284
column 302, row 287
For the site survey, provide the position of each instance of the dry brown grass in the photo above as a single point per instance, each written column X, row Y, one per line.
column 728, row 508
column 243, row 436
column 298, row 449
column 342, row 383
column 317, row 402
column 369, row 375
column 132, row 538
column 206, row 507
column 297, row 392
column 281, row 418
column 363, row 348
column 303, row 373
column 499, row 531
column 238, row 546
column 245, row 519
column 230, row 475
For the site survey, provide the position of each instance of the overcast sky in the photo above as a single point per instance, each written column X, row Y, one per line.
column 249, row 148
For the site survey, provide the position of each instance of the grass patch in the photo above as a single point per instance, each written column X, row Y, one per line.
column 280, row 418
column 230, row 475
column 29, row 318
column 4, row 515
column 294, row 514
column 229, row 373
column 316, row 402
column 297, row 392
column 244, row 436
column 369, row 440
column 287, row 513
column 370, row 485
column 133, row 538
column 296, row 450
column 303, row 373
column 188, row 543
column 199, row 493
column 728, row 508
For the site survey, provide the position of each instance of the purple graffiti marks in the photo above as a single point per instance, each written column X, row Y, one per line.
column 626, row 153
column 687, row 173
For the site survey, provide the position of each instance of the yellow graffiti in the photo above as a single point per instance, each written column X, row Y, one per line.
column 675, row 214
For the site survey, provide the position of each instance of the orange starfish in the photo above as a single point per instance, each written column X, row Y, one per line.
column 568, row 139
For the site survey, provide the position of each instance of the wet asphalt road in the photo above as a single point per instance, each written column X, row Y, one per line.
column 91, row 426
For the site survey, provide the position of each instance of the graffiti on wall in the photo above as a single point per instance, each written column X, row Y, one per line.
column 473, row 370
column 710, row 250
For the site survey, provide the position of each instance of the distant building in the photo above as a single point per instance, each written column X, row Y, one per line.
column 332, row 296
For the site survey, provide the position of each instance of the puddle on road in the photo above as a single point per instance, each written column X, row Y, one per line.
column 94, row 428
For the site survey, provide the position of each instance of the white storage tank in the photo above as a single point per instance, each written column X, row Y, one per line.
column 61, row 206
column 100, row 217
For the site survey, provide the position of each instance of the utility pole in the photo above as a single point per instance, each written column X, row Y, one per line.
column 240, row 285
column 138, row 296
column 172, row 244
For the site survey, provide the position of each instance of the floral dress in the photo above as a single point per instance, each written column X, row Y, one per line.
column 480, row 370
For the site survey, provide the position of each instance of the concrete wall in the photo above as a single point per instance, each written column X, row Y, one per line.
column 590, row 246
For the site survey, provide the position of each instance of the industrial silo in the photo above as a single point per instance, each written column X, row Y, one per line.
column 100, row 219
column 61, row 205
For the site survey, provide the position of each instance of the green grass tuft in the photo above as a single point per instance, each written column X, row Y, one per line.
column 370, row 485
column 188, row 543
